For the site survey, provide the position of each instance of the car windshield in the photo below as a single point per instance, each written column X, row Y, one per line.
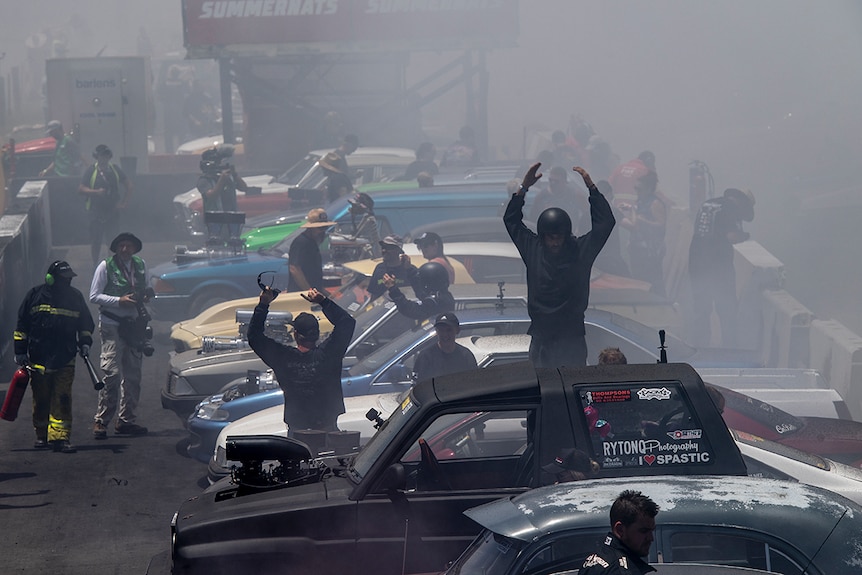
column 393, row 349
column 489, row 554
column 371, row 451
column 295, row 173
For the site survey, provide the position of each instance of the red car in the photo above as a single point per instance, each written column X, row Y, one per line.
column 838, row 439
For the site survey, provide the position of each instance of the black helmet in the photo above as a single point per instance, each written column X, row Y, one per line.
column 433, row 276
column 554, row 221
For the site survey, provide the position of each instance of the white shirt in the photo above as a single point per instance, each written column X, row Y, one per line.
column 110, row 302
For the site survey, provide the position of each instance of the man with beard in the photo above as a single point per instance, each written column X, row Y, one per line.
column 558, row 272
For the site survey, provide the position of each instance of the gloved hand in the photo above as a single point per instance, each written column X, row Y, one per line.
column 21, row 359
column 85, row 349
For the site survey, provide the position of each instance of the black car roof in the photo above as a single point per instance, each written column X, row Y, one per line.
column 749, row 502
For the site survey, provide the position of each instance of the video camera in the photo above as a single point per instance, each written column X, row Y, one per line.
column 215, row 160
column 137, row 331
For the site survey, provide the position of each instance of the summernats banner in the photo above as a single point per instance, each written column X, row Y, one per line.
column 226, row 27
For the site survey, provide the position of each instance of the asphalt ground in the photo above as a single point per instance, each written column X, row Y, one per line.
column 107, row 508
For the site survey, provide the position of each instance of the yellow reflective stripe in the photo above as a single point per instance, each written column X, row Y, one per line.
column 38, row 367
column 85, row 333
column 19, row 336
column 46, row 308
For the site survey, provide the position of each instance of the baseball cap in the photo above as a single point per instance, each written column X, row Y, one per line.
column 53, row 125
column 448, row 318
column 570, row 460
column 317, row 218
column 61, row 269
column 307, row 326
column 395, row 241
column 428, row 238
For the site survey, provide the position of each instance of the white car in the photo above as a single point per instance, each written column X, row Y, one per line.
column 368, row 164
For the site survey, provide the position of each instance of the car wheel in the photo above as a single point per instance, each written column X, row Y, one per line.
column 210, row 297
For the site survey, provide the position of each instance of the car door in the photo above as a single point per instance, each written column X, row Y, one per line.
column 471, row 457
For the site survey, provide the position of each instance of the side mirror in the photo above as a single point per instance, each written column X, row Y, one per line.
column 394, row 478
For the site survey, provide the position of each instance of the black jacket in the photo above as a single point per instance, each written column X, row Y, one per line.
column 614, row 558
column 429, row 306
column 52, row 322
column 558, row 289
column 311, row 380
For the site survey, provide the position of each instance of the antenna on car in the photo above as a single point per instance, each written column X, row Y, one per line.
column 499, row 305
column 662, row 348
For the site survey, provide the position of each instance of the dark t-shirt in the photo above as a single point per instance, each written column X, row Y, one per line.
column 305, row 254
column 404, row 277
column 108, row 179
column 418, row 166
column 434, row 362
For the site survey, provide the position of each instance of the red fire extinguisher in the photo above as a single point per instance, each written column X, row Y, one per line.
column 15, row 394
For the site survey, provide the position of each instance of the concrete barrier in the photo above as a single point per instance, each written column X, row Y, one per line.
column 786, row 323
column 756, row 270
column 836, row 352
column 24, row 251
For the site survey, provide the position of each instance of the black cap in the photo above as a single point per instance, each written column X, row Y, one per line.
column 448, row 318
column 306, row 326
column 61, row 269
column 126, row 236
column 428, row 238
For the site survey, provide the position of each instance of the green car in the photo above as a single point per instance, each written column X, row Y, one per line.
column 269, row 235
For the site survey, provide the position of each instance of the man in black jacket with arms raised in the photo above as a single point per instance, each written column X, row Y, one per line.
column 558, row 272
column 310, row 373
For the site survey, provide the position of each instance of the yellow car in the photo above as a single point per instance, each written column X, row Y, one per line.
column 220, row 319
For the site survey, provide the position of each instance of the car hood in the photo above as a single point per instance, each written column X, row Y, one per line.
column 266, row 182
column 830, row 436
column 33, row 146
column 192, row 359
column 250, row 261
column 270, row 421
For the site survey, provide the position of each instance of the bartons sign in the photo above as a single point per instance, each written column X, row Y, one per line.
column 345, row 25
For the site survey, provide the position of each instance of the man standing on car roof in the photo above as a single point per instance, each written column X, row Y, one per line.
column 310, row 373
column 558, row 272
column 631, row 536
column 304, row 259
column 338, row 181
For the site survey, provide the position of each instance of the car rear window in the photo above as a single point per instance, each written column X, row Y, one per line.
column 643, row 425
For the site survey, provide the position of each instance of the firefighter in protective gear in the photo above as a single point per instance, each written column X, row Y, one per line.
column 54, row 322
column 558, row 272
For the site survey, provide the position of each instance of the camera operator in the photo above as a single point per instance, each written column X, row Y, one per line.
column 119, row 289
column 218, row 184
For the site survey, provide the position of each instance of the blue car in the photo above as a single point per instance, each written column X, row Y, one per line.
column 390, row 367
column 186, row 288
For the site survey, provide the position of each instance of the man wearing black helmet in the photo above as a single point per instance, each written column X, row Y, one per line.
column 558, row 272
column 101, row 186
column 432, row 285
